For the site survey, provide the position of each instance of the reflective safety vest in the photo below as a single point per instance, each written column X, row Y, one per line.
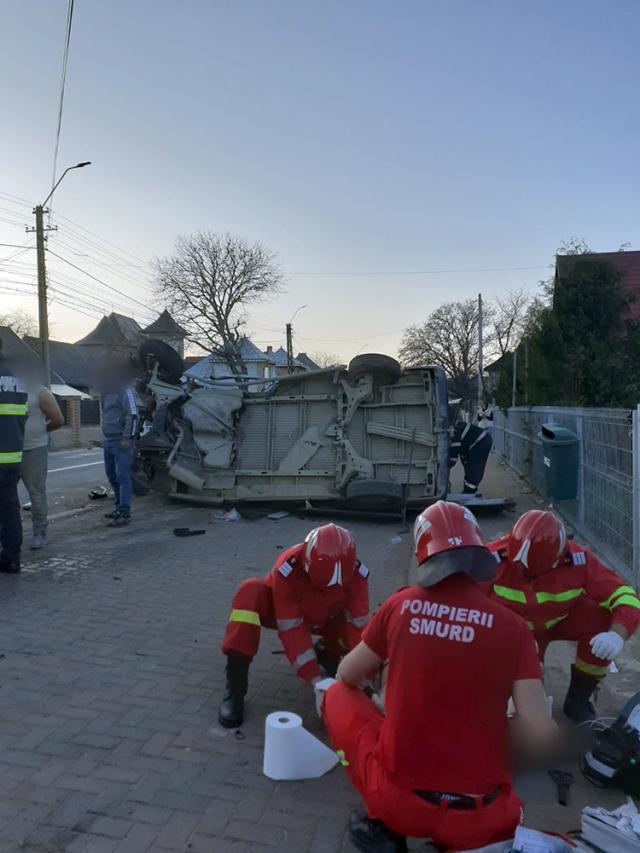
column 544, row 601
column 13, row 416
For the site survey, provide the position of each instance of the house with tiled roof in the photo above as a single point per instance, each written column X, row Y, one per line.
column 281, row 361
column 627, row 265
column 215, row 367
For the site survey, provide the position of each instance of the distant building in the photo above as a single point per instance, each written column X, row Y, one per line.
column 121, row 333
column 166, row 329
column 303, row 359
column 280, row 359
column 258, row 365
column 627, row 265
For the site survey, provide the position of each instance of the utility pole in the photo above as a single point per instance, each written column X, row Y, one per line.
column 43, row 310
column 289, row 348
column 515, row 374
column 526, row 372
column 480, row 352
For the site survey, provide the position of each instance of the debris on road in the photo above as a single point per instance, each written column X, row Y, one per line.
column 187, row 531
column 277, row 516
column 97, row 494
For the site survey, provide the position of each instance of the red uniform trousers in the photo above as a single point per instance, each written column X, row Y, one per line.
column 354, row 724
column 255, row 596
column 585, row 620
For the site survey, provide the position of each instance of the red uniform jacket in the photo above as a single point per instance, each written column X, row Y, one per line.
column 302, row 609
column 547, row 599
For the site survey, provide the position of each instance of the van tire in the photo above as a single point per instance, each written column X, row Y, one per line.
column 170, row 365
column 384, row 369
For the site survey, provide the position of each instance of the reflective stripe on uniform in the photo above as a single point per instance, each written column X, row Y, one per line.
column 248, row 616
column 470, row 485
column 626, row 592
column 358, row 621
column 364, row 571
column 341, row 756
column 626, row 601
column 591, row 669
column 289, row 624
column 510, row 594
column 12, row 458
column 479, row 438
column 305, row 657
column 566, row 595
column 555, row 621
column 13, row 409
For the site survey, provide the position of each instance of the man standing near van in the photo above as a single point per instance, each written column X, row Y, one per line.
column 13, row 416
column 119, row 425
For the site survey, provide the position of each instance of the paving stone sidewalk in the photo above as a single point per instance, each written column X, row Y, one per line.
column 110, row 677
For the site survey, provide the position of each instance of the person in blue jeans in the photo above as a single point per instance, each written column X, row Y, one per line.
column 119, row 425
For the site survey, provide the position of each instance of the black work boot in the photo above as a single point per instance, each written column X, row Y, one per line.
column 10, row 568
column 231, row 711
column 578, row 705
column 372, row 836
column 327, row 661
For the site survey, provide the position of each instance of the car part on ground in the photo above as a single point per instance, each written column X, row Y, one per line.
column 370, row 437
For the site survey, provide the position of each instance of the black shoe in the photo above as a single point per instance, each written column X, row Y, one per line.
column 119, row 520
column 372, row 836
column 10, row 568
column 231, row 711
column 112, row 515
column 578, row 705
column 328, row 662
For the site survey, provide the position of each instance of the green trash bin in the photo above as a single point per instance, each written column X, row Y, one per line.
column 561, row 457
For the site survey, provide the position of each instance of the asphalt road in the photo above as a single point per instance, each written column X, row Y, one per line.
column 72, row 475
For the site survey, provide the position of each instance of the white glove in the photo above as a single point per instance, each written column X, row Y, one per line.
column 320, row 688
column 607, row 645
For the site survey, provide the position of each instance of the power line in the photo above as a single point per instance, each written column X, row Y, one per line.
column 99, row 280
column 63, row 80
column 420, row 272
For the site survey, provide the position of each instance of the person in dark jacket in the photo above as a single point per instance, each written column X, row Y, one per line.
column 472, row 444
column 13, row 416
column 119, row 426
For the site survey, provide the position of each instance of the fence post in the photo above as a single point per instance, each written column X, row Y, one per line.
column 635, row 480
column 581, row 496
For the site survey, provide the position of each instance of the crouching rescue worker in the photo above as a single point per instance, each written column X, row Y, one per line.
column 436, row 765
column 473, row 445
column 564, row 592
column 318, row 587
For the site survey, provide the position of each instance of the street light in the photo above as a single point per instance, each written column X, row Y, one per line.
column 43, row 314
column 290, row 338
column 59, row 181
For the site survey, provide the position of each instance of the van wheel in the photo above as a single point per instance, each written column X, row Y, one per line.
column 170, row 365
column 384, row 369
column 377, row 495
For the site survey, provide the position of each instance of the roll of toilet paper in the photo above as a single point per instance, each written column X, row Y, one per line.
column 291, row 752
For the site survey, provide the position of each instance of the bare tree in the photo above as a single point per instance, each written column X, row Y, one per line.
column 207, row 284
column 20, row 321
column 510, row 317
column 324, row 359
column 448, row 337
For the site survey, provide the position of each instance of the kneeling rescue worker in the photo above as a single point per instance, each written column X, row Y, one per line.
column 318, row 587
column 564, row 592
column 436, row 764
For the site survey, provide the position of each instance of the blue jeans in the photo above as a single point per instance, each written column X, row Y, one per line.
column 117, row 464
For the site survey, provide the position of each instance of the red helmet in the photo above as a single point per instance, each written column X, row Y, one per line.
column 330, row 556
column 537, row 542
column 450, row 533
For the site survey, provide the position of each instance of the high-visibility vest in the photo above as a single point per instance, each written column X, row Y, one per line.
column 13, row 416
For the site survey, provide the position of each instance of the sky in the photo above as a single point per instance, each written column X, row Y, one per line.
column 394, row 155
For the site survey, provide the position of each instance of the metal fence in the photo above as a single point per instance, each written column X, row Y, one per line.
column 606, row 509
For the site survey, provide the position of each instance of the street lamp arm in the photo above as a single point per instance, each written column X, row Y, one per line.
column 58, row 182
